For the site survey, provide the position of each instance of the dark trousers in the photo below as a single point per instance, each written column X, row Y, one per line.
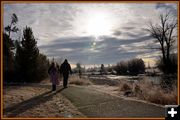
column 53, row 87
column 65, row 79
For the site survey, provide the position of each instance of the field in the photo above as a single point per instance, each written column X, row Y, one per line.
column 37, row 100
column 146, row 88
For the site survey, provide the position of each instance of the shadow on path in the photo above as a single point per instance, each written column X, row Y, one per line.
column 30, row 103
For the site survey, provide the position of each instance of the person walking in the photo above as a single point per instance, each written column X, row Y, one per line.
column 53, row 72
column 65, row 69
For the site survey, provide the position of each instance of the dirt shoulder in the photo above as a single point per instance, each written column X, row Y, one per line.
column 33, row 101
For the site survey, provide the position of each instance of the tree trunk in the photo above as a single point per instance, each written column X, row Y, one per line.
column 168, row 58
column 163, row 53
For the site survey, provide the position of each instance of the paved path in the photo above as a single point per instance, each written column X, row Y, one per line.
column 97, row 104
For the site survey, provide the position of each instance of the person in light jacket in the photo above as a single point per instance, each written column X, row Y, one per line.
column 53, row 72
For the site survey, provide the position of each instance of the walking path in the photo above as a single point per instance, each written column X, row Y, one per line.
column 93, row 103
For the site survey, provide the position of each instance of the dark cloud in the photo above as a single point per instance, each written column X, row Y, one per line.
column 131, row 34
column 128, row 28
column 164, row 5
column 118, row 41
column 133, row 31
column 77, row 44
column 170, row 7
column 107, row 49
column 117, row 33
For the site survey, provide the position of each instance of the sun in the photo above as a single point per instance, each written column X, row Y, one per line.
column 99, row 24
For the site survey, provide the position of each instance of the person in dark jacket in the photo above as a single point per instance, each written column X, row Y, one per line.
column 65, row 69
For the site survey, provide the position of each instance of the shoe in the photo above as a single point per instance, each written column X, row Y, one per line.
column 53, row 91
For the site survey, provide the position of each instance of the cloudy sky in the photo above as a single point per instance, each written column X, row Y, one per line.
column 91, row 33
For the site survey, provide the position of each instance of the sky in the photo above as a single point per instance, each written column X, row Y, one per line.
column 91, row 33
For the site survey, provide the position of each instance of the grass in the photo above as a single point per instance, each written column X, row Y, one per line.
column 143, row 89
column 74, row 79
column 153, row 93
column 125, row 87
column 36, row 102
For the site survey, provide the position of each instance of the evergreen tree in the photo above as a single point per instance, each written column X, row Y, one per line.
column 27, row 56
column 42, row 67
column 8, row 47
column 79, row 69
column 8, row 41
column 8, row 61
column 78, row 66
column 102, row 69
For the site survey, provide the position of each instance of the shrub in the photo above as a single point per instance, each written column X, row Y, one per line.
column 79, row 81
column 121, row 67
column 170, row 67
column 125, row 87
column 159, row 96
column 136, row 66
column 153, row 93
column 133, row 67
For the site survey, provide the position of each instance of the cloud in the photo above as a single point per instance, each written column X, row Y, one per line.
column 165, row 5
column 172, row 7
column 48, row 21
column 105, row 50
column 117, row 33
column 128, row 28
column 61, row 29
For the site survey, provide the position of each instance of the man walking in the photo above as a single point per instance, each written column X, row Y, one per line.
column 65, row 69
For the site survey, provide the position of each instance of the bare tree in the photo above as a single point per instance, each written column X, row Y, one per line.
column 12, row 26
column 165, row 34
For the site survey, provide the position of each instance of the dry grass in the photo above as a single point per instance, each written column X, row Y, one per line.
column 125, row 87
column 36, row 102
column 159, row 96
column 153, row 93
column 79, row 81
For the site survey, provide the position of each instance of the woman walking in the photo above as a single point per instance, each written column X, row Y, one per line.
column 53, row 72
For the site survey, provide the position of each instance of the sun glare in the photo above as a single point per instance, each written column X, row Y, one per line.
column 99, row 24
